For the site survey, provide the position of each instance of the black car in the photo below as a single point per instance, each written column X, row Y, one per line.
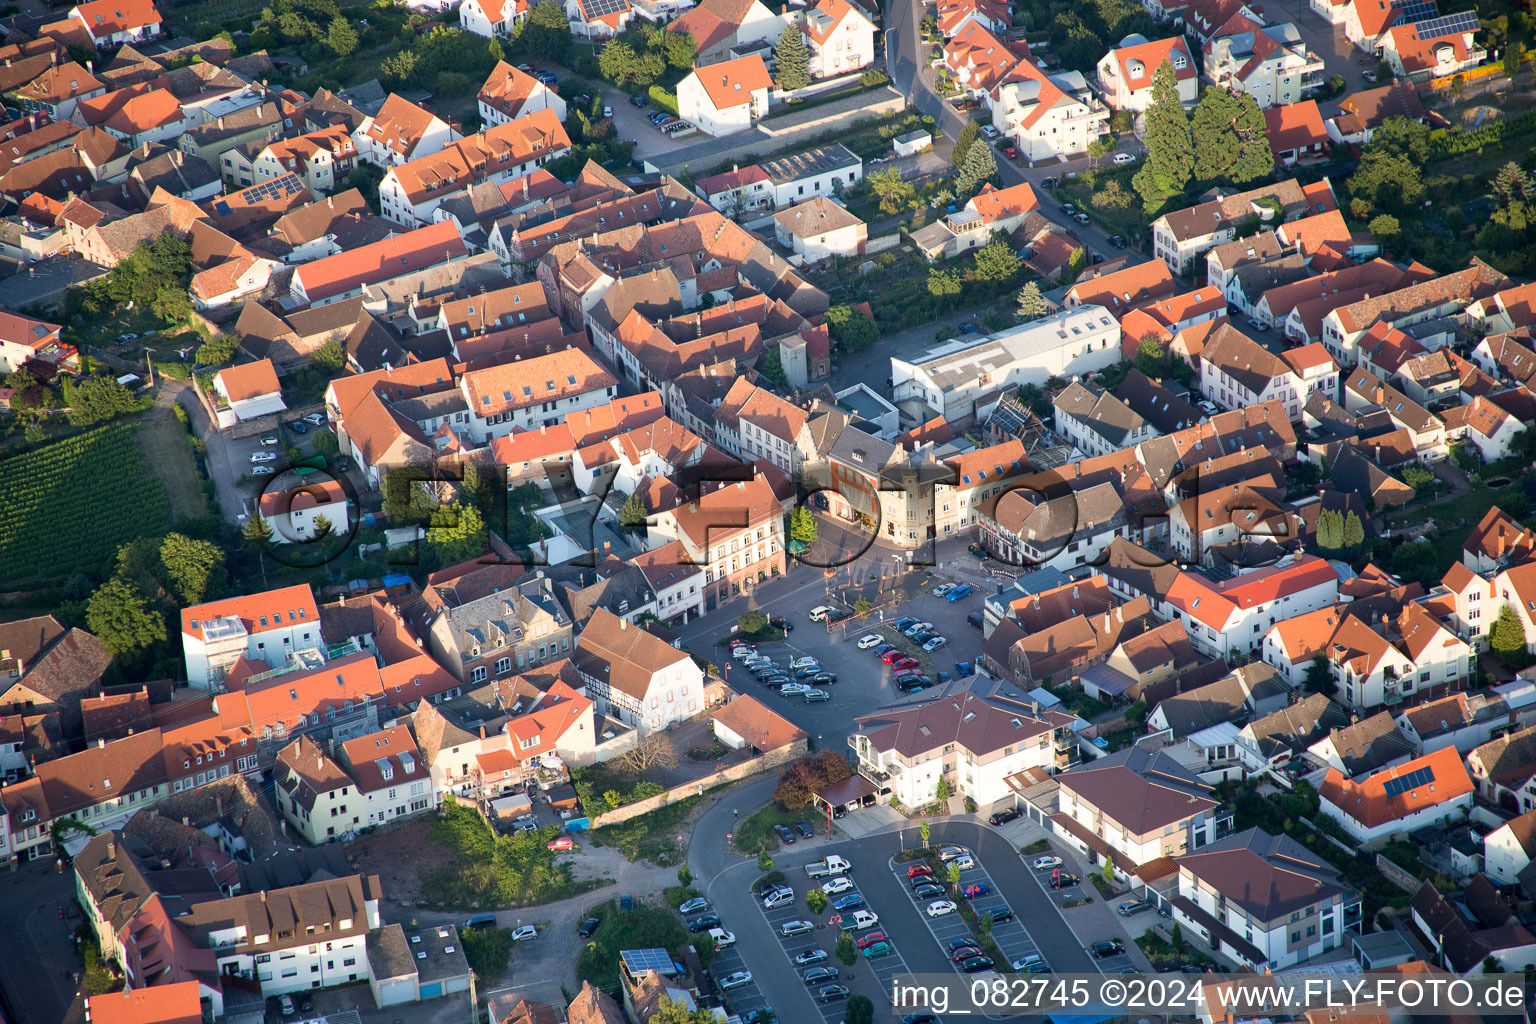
column 704, row 923
column 831, row 993
column 1118, row 241
column 956, row 945
column 1104, row 950
column 306, row 1004
column 804, row 829
column 1098, row 257
column 977, row 550
column 839, row 615
column 780, row 622
column 785, row 835
column 999, row 916
column 824, row 677
column 589, row 927
column 1003, row 817
column 976, row 964
column 812, row 975
column 807, row 672
column 904, row 623
column 1064, row 881
column 297, row 426
column 928, row 892
column 637, row 101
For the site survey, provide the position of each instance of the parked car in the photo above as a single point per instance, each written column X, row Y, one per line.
column 989, row 131
column 884, row 649
column 903, row 623
column 1130, row 907
column 918, row 869
column 877, row 950
column 812, row 975
column 975, row 890
column 344, row 463
column 942, row 589
column 736, row 979
column 810, row 956
column 780, row 622
column 794, row 689
column 928, row 891
column 950, row 853
column 315, row 419
column 782, row 831
column 934, row 644
column 920, row 1018
column 891, row 655
column 1032, row 964
column 262, row 471
column 589, row 927
column 1125, row 158
column 693, row 906
column 808, row 672
column 869, row 640
column 963, row 863
column 916, row 628
column 297, row 426
column 871, row 939
column 816, row 696
column 742, row 650
column 976, row 964
column 852, row 901
column 823, row 678
column 722, row 938
column 1000, row 915
column 1118, row 241
column 831, row 993
column 839, row 884
column 704, row 923
column 527, row 931
column 562, row 843
column 939, row 908
column 960, row 593
column 270, row 440
column 1047, row 861
column 1064, row 880
column 637, row 101
column 1105, row 950
column 804, row 829
column 1005, row 816
column 789, row 928
column 1010, row 153
column 1081, row 218
column 286, row 1005
column 905, row 661
column 965, row 953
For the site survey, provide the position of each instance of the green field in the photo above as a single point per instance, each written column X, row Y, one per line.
column 69, row 505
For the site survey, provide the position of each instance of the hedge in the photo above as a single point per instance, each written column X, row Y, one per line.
column 1443, row 143
column 661, row 99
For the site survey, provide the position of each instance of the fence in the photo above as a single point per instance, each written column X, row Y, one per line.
column 761, row 763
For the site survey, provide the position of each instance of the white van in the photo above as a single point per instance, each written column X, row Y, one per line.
column 820, row 613
column 780, row 898
column 863, row 919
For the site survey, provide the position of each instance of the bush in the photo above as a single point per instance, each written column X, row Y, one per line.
column 661, row 99
column 641, row 927
column 489, row 952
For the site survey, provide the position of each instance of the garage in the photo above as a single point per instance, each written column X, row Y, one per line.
column 432, row 991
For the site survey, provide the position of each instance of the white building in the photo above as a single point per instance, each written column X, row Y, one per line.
column 1233, row 614
column 1431, row 790
column 306, row 511
column 1125, row 73
column 1135, row 807
column 400, row 132
column 1047, row 117
column 819, row 228
column 249, row 391
column 726, row 97
column 1509, row 848
column 491, row 18
column 816, row 172
column 1271, row 63
column 532, row 393
column 113, row 22
column 841, row 38
column 635, row 676
column 265, row 627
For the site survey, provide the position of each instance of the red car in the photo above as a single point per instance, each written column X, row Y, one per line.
column 905, row 661
column 965, row 953
column 919, row 869
column 891, row 655
column 871, row 939
column 1010, row 153
column 563, row 843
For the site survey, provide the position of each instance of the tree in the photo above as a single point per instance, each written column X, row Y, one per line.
column 1416, row 561
column 1077, row 262
column 399, row 67
column 969, row 133
column 845, row 950
column 1136, row 712
column 633, row 514
column 1231, row 146
column 95, row 399
column 1514, row 56
column 1032, row 304
column 1330, row 530
column 799, row 782
column 997, row 261
column 863, row 606
column 171, row 305
column 331, row 356
column 496, row 51
column 1515, row 195
column 942, row 792
column 321, row 526
column 651, row 752
column 1176, row 937
column 895, row 193
column 621, row 65
column 1100, row 148
column 1319, row 677
column 923, row 831
column 217, row 350
column 851, row 329
column 794, row 60
column 815, row 901
column 258, row 532
column 944, row 284
column 547, row 32
column 670, row 1012
column 802, row 525
column 1109, row 871
column 752, row 622
column 341, row 37
column 1170, row 158
column 118, row 612
column 325, row 443
column 679, row 48
column 1418, row 478
column 456, row 533
column 1507, row 638
column 1387, row 178
column 859, row 1009
column 193, row 568
column 953, row 874
column 979, row 168
column 1354, row 531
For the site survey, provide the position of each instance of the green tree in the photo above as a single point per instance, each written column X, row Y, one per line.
column 969, row 133
column 1136, row 712
column 1319, row 677
column 772, row 367
column 1109, row 871
column 1354, row 531
column 752, row 622
column 331, row 356
column 341, row 37
column 979, row 168
column 851, row 329
column 119, row 613
column 496, row 51
column 863, row 606
column 802, row 525
column 1170, row 161
column 95, row 399
column 258, row 532
column 997, row 261
column 1515, row 196
column 815, row 901
column 321, row 526
column 1229, row 136
column 1416, row 561
column 1077, row 262
column 952, row 873
column 923, row 830
column 794, row 60
column 171, row 305
column 859, row 1009
column 679, row 49
column 1032, row 304
column 1385, row 226
column 671, row 1012
column 325, row 443
column 1176, row 937
column 633, row 514
column 399, row 66
column 621, row 65
column 944, row 284
column 217, row 350
column 1514, row 56
column 1387, row 179
column 1330, row 530
column 1151, row 358
column 845, row 950
column 547, row 32
column 1418, row 478
column 1507, row 638
column 456, row 533
column 194, row 569
column 942, row 792
column 895, row 193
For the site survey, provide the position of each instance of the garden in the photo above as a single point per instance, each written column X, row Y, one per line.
column 641, row 926
column 491, row 871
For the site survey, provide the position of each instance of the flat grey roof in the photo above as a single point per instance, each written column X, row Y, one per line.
column 822, row 160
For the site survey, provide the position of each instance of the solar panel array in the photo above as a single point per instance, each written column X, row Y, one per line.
column 1413, row 780
column 599, row 8
column 277, row 188
column 638, row 961
column 1418, row 10
column 1447, row 24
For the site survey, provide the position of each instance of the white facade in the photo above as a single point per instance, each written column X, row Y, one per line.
column 695, row 104
column 1043, row 120
column 490, row 18
column 1504, row 852
column 433, row 138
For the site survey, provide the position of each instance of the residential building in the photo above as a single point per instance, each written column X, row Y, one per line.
column 176, row 1002
column 1235, row 613
column 724, row 29
column 1125, row 73
column 840, row 36
column 306, row 512
column 402, row 131
column 815, row 172
column 1047, row 116
column 314, row 794
column 1237, row 372
column 1063, row 533
column 23, row 339
column 988, row 212
column 973, row 743
column 321, row 159
column 635, row 676
column 1271, row 63
column 509, row 94
column 344, row 275
column 111, row 22
column 1134, row 807
column 265, row 627
column 538, row 391
column 725, row 97
column 1446, row 295
column 1509, row 849
column 735, row 531
column 1504, row 770
column 1295, row 131
column 389, row 774
column 490, row 621
column 1185, row 236
column 1361, row 113
column 819, row 229
column 492, row 18
column 1273, row 740
column 738, row 191
column 599, row 19
column 1431, row 790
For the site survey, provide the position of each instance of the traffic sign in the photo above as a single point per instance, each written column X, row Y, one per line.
column 729, row 836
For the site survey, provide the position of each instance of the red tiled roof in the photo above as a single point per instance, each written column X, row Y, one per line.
column 1368, row 803
column 379, row 261
column 731, row 83
column 1294, row 126
column 107, row 17
column 249, row 380
column 1149, row 57
column 178, row 1003
column 259, row 612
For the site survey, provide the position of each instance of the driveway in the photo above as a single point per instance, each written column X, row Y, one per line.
column 632, row 122
column 38, row 960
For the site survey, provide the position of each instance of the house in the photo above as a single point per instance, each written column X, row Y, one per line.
column 1430, row 790
column 135, row 115
column 110, row 22
column 59, row 90
column 174, row 1003
column 1271, row 63
column 1361, row 113
column 1273, row 740
column 737, row 191
column 822, row 171
column 306, row 512
column 973, row 743
column 819, row 228
column 1443, row 296
column 635, row 676
column 1125, row 73
column 492, row 18
column 1508, row 849
column 1097, row 422
column 321, row 159
column 598, row 19
column 734, row 531
column 1504, row 770
column 23, row 339
column 247, row 391
column 1134, row 807
column 747, row 723
column 988, row 212
column 954, row 377
column 977, row 60
column 1237, row 372
column 1488, row 427
column 1184, row 236
column 488, row 621
column 390, row 776
column 1232, row 614
column 1295, row 131
column 1477, row 934
column 314, row 794
column 401, row 132
column 48, row 669
column 1122, row 290
column 425, row 963
column 722, row 28
column 840, row 37
column 1047, row 116
column 1063, row 533
column 725, row 97
column 1266, row 901
column 1249, row 690
column 509, row 94
column 266, row 627
column 537, row 391
column 677, row 583
column 344, row 275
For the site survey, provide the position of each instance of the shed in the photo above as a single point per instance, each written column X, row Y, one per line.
column 562, row 798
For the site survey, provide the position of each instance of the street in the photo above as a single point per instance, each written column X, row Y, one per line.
column 38, row 959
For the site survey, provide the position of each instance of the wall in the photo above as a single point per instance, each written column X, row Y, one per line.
column 772, row 759
column 882, row 243
column 1398, row 876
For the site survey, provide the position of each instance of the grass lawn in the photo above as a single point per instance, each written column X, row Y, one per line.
column 756, row 835
column 641, row 927
column 163, row 441
column 1451, row 515
column 651, row 836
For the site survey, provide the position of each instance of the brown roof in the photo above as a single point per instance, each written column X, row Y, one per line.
column 979, row 724
column 1139, row 791
column 758, row 724
column 624, row 656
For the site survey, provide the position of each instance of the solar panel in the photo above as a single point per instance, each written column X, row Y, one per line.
column 1446, row 25
column 638, row 961
column 1413, row 780
column 598, row 8
column 1418, row 10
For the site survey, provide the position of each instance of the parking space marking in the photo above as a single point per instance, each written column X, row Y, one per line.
column 1108, row 965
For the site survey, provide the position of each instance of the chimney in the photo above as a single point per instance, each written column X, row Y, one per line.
column 482, row 732
column 100, row 743
column 623, row 623
column 606, row 546
column 111, row 849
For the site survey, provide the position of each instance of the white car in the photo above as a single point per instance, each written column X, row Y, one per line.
column 988, row 131
column 806, row 661
column 722, row 938
column 1124, row 158
column 869, row 640
column 964, row 863
column 262, row 457
column 736, row 979
column 262, row 471
column 836, row 886
column 938, row 908
column 741, row 653
column 942, row 589
column 527, row 931
column 793, row 690
column 1048, row 861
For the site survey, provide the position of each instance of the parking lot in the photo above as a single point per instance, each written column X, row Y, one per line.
column 1010, row 935
column 1044, row 877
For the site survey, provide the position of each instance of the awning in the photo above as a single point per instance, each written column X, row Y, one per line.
column 840, row 794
